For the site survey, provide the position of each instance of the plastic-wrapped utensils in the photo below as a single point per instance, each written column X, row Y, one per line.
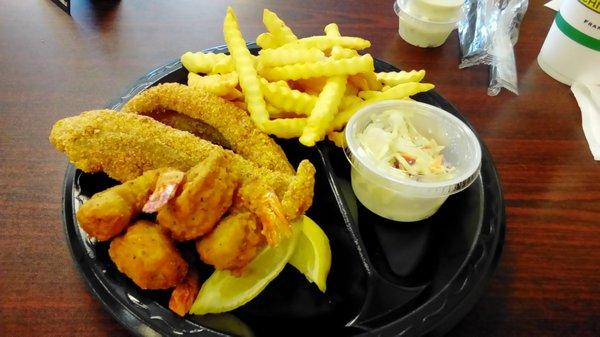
column 503, row 69
column 473, row 32
column 487, row 34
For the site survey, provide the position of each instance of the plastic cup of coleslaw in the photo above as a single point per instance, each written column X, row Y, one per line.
column 387, row 191
column 427, row 23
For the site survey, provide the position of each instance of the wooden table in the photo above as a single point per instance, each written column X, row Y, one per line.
column 53, row 65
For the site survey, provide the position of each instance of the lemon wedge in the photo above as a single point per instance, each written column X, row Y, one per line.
column 223, row 292
column 312, row 256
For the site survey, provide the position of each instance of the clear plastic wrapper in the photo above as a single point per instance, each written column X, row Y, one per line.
column 487, row 34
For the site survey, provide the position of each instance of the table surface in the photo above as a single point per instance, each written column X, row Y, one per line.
column 53, row 66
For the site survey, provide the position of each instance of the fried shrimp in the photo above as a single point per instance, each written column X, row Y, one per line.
column 206, row 194
column 147, row 255
column 185, row 293
column 262, row 201
column 231, row 122
column 233, row 243
column 107, row 213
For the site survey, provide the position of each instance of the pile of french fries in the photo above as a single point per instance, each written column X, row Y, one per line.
column 298, row 87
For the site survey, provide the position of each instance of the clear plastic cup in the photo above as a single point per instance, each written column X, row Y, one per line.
column 427, row 23
column 382, row 190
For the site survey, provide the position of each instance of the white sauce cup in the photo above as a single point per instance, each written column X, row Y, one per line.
column 427, row 23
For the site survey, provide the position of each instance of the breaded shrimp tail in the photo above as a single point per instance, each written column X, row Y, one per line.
column 233, row 123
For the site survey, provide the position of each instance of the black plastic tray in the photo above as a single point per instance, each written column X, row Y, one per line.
column 386, row 279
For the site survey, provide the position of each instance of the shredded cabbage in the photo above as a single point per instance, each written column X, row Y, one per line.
column 391, row 138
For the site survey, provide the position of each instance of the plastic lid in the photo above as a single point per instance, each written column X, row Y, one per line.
column 463, row 150
column 438, row 11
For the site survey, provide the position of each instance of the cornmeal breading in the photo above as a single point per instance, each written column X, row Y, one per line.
column 231, row 122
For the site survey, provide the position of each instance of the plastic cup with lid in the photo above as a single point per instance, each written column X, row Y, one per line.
column 427, row 23
column 384, row 190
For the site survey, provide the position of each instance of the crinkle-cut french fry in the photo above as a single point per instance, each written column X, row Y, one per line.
column 348, row 101
column 240, row 104
column 338, row 138
column 230, row 79
column 397, row 92
column 233, row 94
column 284, row 56
column 397, row 77
column 285, row 115
column 280, row 31
column 283, row 84
column 201, row 62
column 339, row 53
column 310, row 85
column 332, row 30
column 244, row 66
column 327, row 42
column 266, row 41
column 324, row 111
column 285, row 127
column 328, row 67
column 286, row 99
column 224, row 66
column 275, row 112
column 227, row 65
column 368, row 94
column 216, row 84
column 372, row 82
column 359, row 82
column 351, row 90
column 273, row 109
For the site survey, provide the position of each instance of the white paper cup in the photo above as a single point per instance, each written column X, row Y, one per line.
column 571, row 51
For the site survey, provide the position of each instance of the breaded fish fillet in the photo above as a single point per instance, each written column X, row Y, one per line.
column 124, row 146
column 232, row 122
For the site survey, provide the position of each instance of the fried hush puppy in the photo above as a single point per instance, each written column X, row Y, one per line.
column 233, row 243
column 206, row 194
column 147, row 255
column 230, row 121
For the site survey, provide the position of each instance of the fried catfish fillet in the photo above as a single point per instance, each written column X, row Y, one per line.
column 231, row 122
column 126, row 145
